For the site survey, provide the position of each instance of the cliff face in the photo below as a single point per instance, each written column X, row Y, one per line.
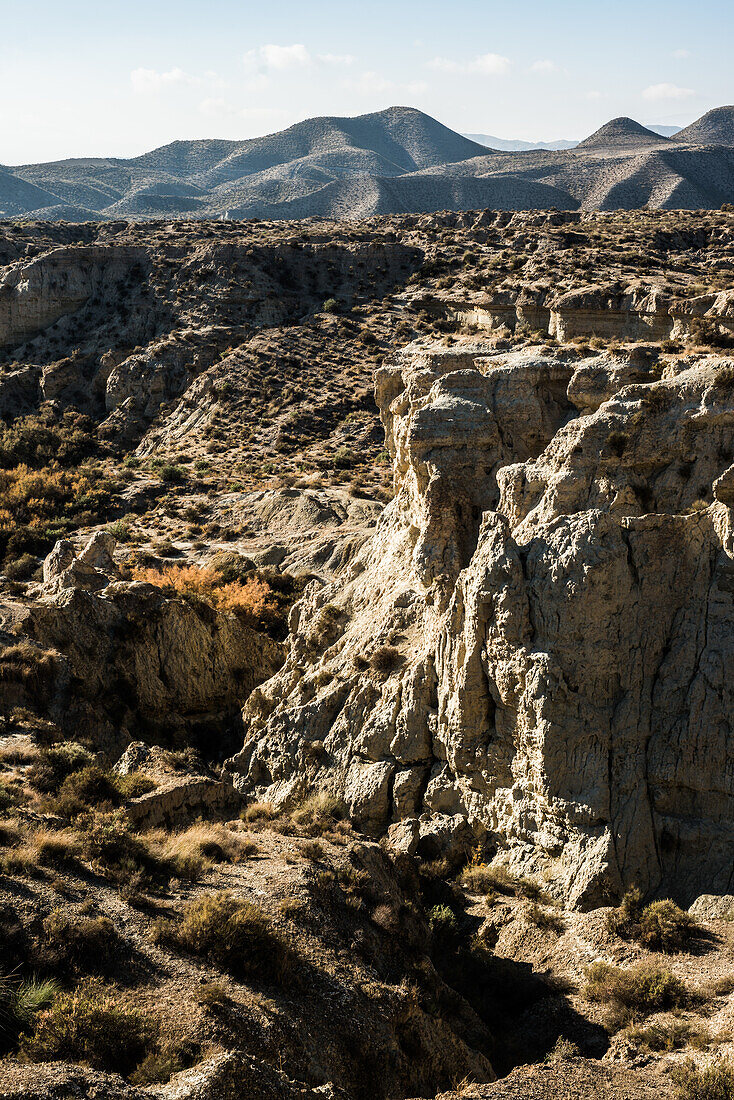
column 536, row 637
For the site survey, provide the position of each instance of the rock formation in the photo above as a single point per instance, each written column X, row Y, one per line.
column 129, row 657
column 536, row 637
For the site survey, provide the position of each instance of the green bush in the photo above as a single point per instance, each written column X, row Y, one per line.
column 635, row 992
column 71, row 940
column 444, row 925
column 56, row 763
column 89, row 1026
column 22, row 569
column 230, row 932
column 330, row 306
column 712, row 1082
column 660, row 926
column 37, row 440
column 21, row 1000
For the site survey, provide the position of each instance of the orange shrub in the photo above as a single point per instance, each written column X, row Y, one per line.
column 252, row 599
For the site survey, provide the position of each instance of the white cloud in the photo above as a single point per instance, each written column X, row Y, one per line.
column 681, row 55
column 145, row 81
column 667, row 91
column 278, row 57
column 216, row 107
column 487, row 64
column 372, row 83
column 545, row 66
column 336, row 58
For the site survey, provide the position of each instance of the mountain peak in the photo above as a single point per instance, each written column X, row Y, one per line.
column 716, row 127
column 621, row 133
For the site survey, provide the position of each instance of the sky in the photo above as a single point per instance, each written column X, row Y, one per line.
column 98, row 78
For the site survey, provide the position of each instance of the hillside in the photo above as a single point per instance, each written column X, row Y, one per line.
column 714, row 128
column 394, row 161
column 365, row 650
column 622, row 133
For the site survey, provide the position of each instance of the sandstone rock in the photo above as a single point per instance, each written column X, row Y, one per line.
column 178, row 801
column 134, row 659
column 713, row 907
column 558, row 588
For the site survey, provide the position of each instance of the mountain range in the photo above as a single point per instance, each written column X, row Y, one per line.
column 394, row 161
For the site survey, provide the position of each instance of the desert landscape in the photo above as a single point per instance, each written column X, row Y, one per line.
column 366, row 658
column 366, row 551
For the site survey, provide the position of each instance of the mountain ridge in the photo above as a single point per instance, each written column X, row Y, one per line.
column 341, row 167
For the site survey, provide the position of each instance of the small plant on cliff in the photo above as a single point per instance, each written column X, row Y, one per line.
column 636, row 992
column 660, row 926
column 231, row 932
column 385, row 659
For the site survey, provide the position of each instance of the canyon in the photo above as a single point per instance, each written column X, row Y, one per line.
column 365, row 662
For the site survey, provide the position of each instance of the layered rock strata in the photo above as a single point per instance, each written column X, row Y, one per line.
column 536, row 639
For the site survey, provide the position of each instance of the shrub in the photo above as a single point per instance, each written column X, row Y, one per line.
column 24, row 663
column 712, row 1082
column 211, row 995
column 89, row 1026
column 36, row 440
column 320, row 811
column 481, row 878
column 56, row 763
column 329, row 306
column 668, row 1035
column 635, row 992
column 203, row 844
column 254, row 598
column 232, row 933
column 22, row 569
column 37, row 507
column 444, row 925
column 171, row 474
column 385, row 659
column 661, row 926
column 43, row 848
column 546, row 919
column 78, row 941
column 21, row 1000
column 90, row 786
column 108, row 844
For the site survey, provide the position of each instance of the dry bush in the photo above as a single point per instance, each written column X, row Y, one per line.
column 714, row 1081
column 201, row 845
column 77, row 941
column 37, row 507
column 253, row 598
column 660, row 926
column 230, row 932
column 43, row 848
column 666, row 1035
column 636, row 992
column 27, row 664
column 481, row 878
column 89, row 1026
column 386, row 659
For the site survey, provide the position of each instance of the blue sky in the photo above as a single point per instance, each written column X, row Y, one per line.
column 82, row 78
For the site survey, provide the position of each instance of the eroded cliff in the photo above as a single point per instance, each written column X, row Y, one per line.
column 536, row 637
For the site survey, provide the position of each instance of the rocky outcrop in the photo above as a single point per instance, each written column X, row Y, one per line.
column 536, row 637
column 132, row 659
column 637, row 311
column 36, row 293
column 180, row 794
